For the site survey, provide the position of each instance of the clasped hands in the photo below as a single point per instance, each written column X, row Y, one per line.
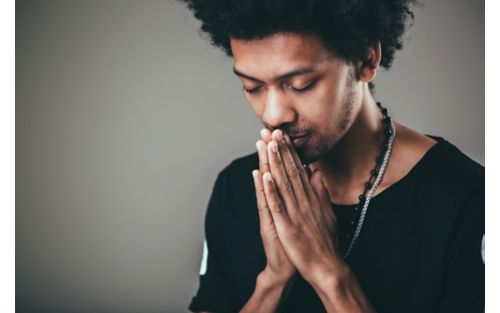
column 297, row 222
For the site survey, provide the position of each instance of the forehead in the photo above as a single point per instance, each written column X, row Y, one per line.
column 279, row 52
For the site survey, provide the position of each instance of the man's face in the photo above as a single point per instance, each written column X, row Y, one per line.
column 295, row 84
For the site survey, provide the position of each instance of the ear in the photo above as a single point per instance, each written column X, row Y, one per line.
column 367, row 68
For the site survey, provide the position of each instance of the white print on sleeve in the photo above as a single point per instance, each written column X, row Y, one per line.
column 482, row 248
column 203, row 267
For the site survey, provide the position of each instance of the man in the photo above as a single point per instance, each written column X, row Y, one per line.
column 341, row 209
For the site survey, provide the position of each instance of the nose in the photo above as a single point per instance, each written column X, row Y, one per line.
column 278, row 110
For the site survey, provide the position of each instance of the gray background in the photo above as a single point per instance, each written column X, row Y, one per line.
column 124, row 117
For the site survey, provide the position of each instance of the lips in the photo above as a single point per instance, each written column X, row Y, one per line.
column 296, row 136
column 299, row 141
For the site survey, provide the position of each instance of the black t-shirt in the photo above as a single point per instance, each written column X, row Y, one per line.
column 419, row 249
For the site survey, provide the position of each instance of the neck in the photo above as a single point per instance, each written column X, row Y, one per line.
column 347, row 165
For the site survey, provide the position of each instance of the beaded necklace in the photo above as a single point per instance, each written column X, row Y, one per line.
column 376, row 175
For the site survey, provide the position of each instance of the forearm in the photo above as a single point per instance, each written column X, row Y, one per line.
column 343, row 294
column 266, row 296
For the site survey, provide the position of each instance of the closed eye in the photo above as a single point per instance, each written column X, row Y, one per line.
column 306, row 88
column 252, row 90
column 299, row 90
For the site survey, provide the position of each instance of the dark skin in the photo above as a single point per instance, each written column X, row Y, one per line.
column 296, row 86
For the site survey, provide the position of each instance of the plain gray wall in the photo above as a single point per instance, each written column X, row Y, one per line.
column 124, row 117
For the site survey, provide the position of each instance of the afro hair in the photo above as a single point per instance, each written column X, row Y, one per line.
column 346, row 27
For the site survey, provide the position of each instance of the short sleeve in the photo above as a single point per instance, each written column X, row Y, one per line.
column 464, row 273
column 215, row 292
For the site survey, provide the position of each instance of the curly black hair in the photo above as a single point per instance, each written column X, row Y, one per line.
column 346, row 27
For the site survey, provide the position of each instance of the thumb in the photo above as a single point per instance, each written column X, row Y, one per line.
column 319, row 186
column 308, row 171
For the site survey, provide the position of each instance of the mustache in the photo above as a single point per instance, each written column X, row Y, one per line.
column 292, row 132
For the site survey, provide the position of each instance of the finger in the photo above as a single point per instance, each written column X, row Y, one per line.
column 321, row 191
column 265, row 218
column 292, row 171
column 263, row 160
column 280, row 178
column 305, row 172
column 320, row 188
column 276, row 206
column 308, row 171
column 266, row 135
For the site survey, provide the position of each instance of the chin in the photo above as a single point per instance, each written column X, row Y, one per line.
column 310, row 158
column 309, row 155
column 312, row 152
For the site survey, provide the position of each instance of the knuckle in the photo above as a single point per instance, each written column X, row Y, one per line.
column 278, row 207
column 264, row 230
column 294, row 173
column 304, row 206
column 277, row 159
column 262, row 233
column 261, row 205
column 263, row 165
column 285, row 186
column 297, row 231
column 265, row 206
column 293, row 233
column 283, row 147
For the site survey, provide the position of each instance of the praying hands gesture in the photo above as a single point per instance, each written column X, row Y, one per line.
column 299, row 209
column 299, row 233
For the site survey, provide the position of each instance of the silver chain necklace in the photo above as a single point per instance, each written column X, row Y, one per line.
column 369, row 196
column 371, row 192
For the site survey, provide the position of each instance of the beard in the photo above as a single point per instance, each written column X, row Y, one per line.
column 319, row 145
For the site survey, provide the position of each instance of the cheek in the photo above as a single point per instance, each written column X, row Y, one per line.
column 328, row 92
column 320, row 108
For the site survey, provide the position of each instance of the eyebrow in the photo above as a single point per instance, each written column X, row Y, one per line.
column 299, row 71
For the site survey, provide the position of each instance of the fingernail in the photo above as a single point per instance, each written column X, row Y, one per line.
column 254, row 173
column 317, row 172
column 258, row 144
column 287, row 139
column 263, row 132
column 308, row 171
column 278, row 134
column 267, row 176
column 274, row 146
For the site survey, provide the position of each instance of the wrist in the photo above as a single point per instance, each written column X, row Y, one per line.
column 340, row 291
column 267, row 294
column 332, row 277
column 268, row 280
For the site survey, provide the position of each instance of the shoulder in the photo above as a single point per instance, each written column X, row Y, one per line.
column 437, row 161
column 449, row 182
column 441, row 178
column 449, row 165
column 234, row 185
column 432, row 168
column 442, row 159
column 244, row 165
column 232, row 209
column 238, row 170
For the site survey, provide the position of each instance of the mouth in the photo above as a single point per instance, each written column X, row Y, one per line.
column 299, row 141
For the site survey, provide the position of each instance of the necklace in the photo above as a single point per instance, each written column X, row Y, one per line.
column 376, row 175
